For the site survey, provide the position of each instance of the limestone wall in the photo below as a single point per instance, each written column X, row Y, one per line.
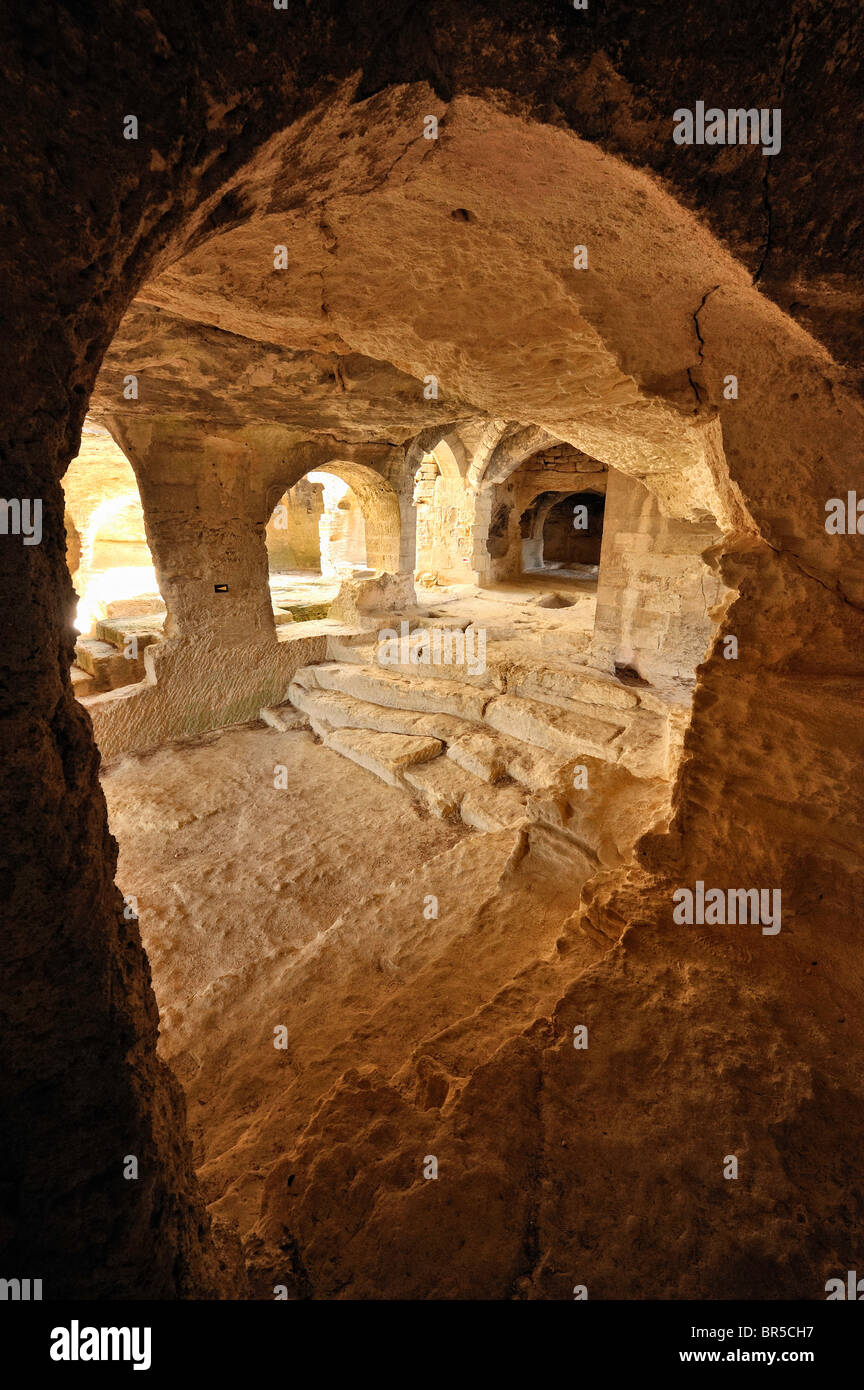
column 102, row 499
column 654, row 591
column 106, row 542
column 192, row 686
column 293, row 540
column 445, row 524
column 342, row 529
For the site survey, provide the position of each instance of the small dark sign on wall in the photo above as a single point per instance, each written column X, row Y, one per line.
column 220, row 588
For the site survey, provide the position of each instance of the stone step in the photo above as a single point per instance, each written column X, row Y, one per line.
column 551, row 684
column 480, row 752
column 566, row 733
column 448, row 790
column 493, row 808
column 306, row 679
column 487, row 755
column 481, row 763
column 427, row 649
column 82, row 683
column 150, row 608
column 489, row 680
column 381, row 687
column 535, row 740
column 284, row 718
column 442, row 786
column 341, row 711
column 493, row 756
column 645, row 744
column 558, row 686
column 392, row 757
column 108, row 667
column 119, row 631
column 357, row 649
column 91, row 654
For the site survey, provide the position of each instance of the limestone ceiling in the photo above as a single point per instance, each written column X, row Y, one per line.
column 190, row 370
column 438, row 255
column 406, row 258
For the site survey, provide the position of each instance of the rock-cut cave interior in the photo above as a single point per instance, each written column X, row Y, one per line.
column 431, row 686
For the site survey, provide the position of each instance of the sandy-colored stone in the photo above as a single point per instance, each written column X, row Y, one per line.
column 562, row 732
column 388, row 755
column 381, row 687
column 441, row 785
column 481, row 753
column 339, row 710
column 284, row 718
column 493, row 809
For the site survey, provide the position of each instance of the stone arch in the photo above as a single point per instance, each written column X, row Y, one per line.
column 444, row 509
column 449, row 454
column 626, row 395
column 379, row 504
column 113, row 563
column 542, row 513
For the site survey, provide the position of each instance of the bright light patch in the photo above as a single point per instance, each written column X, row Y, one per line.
column 131, row 581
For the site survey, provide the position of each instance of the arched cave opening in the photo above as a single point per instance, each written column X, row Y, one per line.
column 120, row 611
column 456, row 726
column 316, row 536
column 572, row 532
column 444, row 520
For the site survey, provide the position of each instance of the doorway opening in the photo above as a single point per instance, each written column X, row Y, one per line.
column 316, row 536
column 322, row 531
column 563, row 534
column 120, row 610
